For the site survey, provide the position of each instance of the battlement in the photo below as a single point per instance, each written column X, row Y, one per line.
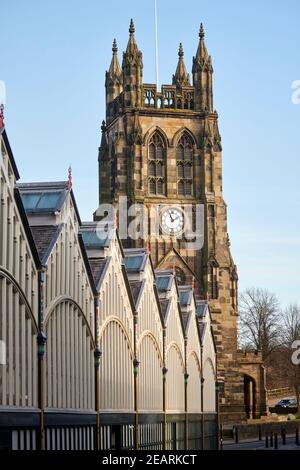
column 125, row 87
column 170, row 97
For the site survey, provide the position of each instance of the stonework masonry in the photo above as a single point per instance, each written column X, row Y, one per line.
column 164, row 147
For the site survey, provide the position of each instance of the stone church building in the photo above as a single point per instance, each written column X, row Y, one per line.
column 126, row 342
column 163, row 148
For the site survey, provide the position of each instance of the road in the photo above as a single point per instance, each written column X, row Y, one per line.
column 260, row 445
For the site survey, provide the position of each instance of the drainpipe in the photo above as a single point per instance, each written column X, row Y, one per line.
column 41, row 346
column 135, row 375
column 186, row 376
column 164, row 378
column 97, row 356
column 219, row 391
column 202, row 398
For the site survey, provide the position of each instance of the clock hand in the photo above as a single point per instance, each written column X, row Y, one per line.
column 176, row 218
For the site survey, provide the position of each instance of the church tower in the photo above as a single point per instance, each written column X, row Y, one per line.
column 162, row 148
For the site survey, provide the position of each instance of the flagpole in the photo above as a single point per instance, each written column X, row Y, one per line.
column 156, row 44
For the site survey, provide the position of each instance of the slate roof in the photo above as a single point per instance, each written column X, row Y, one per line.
column 44, row 237
column 97, row 267
column 9, row 152
column 202, row 327
column 185, row 319
column 135, row 289
column 164, row 306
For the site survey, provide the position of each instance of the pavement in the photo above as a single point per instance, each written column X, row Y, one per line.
column 261, row 445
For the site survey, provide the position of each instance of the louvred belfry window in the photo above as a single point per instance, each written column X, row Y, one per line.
column 156, row 165
column 184, row 162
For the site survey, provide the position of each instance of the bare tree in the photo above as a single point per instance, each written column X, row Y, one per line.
column 291, row 325
column 291, row 333
column 259, row 321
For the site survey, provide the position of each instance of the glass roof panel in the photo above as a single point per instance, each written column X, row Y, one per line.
column 162, row 282
column 134, row 262
column 200, row 310
column 48, row 200
column 40, row 201
column 184, row 297
column 91, row 238
column 30, row 200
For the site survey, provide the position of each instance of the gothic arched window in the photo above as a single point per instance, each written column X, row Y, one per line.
column 156, row 165
column 184, row 157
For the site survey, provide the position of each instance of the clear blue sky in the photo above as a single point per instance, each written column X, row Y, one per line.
column 53, row 60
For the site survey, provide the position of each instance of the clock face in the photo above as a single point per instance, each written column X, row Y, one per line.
column 172, row 221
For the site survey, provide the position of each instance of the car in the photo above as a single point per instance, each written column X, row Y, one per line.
column 287, row 403
column 293, row 403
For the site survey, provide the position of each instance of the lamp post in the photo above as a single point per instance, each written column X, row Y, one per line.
column 41, row 349
column 164, row 375
column 136, row 364
column 219, row 391
column 97, row 359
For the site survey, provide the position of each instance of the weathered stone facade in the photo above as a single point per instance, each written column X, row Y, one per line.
column 164, row 147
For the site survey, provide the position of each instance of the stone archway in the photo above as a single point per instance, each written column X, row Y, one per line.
column 253, row 383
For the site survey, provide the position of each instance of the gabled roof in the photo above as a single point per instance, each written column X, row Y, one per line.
column 87, row 264
column 165, row 305
column 174, row 252
column 129, row 292
column 89, row 232
column 186, row 299
column 136, row 289
column 186, row 317
column 135, row 260
column 202, row 309
column 26, row 227
column 164, row 281
column 202, row 328
column 98, row 268
column 45, row 237
column 9, row 152
column 45, row 198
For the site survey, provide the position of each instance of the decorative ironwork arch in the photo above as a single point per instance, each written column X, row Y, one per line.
column 5, row 274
